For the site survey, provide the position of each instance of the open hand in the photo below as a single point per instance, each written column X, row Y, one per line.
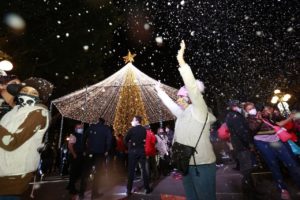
column 158, row 86
column 181, row 53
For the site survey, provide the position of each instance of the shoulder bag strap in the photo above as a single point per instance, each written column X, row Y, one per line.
column 197, row 172
column 268, row 123
column 202, row 130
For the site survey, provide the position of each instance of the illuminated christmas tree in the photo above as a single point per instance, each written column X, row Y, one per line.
column 118, row 99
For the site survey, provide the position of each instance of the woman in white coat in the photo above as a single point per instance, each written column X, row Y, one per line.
column 191, row 111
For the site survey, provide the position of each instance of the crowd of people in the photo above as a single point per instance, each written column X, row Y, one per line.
column 257, row 134
column 262, row 135
column 98, row 151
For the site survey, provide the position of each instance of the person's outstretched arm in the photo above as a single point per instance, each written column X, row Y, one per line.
column 167, row 101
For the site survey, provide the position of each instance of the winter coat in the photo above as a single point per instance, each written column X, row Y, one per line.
column 21, row 133
column 162, row 145
column 135, row 139
column 99, row 139
column 120, row 145
column 150, row 149
column 190, row 121
column 241, row 137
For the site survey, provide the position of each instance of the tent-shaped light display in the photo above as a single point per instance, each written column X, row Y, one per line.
column 117, row 99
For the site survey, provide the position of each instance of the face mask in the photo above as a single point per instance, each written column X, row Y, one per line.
column 252, row 111
column 237, row 109
column 80, row 130
column 25, row 100
column 182, row 102
column 133, row 123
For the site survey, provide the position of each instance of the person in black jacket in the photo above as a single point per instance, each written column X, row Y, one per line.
column 76, row 146
column 135, row 140
column 242, row 143
column 98, row 143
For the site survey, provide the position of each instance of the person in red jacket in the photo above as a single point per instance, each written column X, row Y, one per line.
column 150, row 151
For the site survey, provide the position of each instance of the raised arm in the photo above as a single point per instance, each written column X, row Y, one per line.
column 190, row 82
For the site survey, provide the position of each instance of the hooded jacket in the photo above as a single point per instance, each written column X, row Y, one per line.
column 190, row 121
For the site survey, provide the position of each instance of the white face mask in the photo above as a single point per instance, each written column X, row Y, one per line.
column 252, row 111
column 80, row 130
column 25, row 100
column 237, row 109
column 133, row 123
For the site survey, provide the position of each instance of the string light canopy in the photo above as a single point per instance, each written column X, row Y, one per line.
column 117, row 99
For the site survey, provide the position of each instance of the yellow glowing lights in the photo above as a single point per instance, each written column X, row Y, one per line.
column 280, row 97
column 129, row 57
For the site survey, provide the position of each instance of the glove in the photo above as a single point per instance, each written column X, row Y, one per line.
column 158, row 86
column 181, row 53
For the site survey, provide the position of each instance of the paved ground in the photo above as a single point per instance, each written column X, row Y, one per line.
column 113, row 187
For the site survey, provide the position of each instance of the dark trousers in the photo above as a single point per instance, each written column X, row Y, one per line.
column 151, row 167
column 164, row 165
column 245, row 159
column 135, row 157
column 121, row 162
column 76, row 167
column 203, row 186
column 272, row 152
column 94, row 164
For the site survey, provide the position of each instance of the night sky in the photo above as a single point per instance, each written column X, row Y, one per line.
column 240, row 49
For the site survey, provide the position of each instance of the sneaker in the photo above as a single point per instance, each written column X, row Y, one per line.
column 285, row 195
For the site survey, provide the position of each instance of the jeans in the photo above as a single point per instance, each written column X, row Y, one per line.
column 94, row 164
column 135, row 157
column 152, row 168
column 272, row 152
column 76, row 168
column 202, row 186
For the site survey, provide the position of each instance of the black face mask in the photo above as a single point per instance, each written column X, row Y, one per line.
column 13, row 89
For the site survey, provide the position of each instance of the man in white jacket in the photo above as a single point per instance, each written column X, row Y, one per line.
column 191, row 111
column 21, row 133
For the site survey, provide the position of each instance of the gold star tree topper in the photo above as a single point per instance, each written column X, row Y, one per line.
column 129, row 57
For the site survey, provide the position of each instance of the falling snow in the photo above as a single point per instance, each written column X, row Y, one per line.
column 230, row 45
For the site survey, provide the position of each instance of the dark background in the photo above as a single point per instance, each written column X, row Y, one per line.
column 240, row 49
